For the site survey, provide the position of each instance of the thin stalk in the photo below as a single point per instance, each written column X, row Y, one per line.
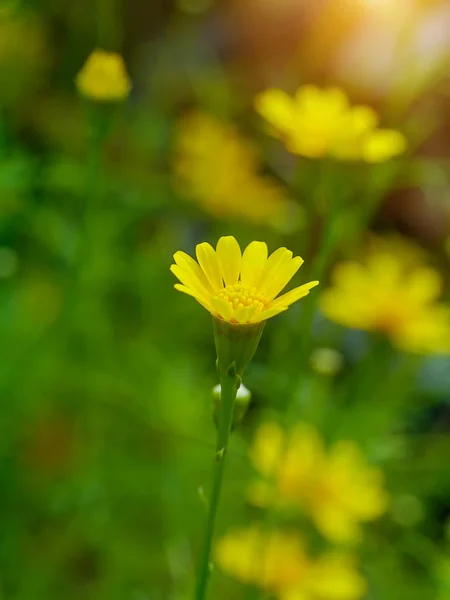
column 229, row 382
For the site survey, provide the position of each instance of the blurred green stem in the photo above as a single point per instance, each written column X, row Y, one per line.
column 229, row 381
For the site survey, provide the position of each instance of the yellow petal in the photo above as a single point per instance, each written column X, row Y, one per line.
column 307, row 97
column 363, row 119
column 253, row 262
column 187, row 263
column 229, row 256
column 334, row 523
column 424, row 285
column 201, row 300
column 383, row 144
column 189, row 279
column 294, row 295
column 223, row 308
column 267, row 314
column 244, row 314
column 286, row 270
column 295, row 594
column 276, row 107
column 335, row 100
column 335, row 577
column 208, row 261
column 274, row 262
column 267, row 447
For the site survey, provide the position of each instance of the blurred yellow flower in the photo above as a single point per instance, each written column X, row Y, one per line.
column 389, row 292
column 336, row 488
column 218, row 169
column 277, row 562
column 104, row 77
column 321, row 122
column 239, row 287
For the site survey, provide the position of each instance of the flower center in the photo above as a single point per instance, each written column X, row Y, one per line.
column 240, row 296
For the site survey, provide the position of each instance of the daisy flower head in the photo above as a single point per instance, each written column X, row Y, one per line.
column 237, row 287
column 104, row 77
column 318, row 122
column 336, row 487
column 240, row 291
column 393, row 292
column 219, row 170
column 278, row 563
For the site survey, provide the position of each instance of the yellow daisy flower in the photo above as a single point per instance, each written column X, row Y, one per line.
column 321, row 122
column 239, row 288
column 278, row 563
column 336, row 488
column 390, row 293
column 307, row 123
column 103, row 77
column 218, row 169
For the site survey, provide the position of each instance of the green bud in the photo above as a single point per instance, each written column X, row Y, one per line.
column 243, row 397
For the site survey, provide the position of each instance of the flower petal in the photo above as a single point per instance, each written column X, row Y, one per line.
column 276, row 261
column 282, row 276
column 266, row 314
column 243, row 314
column 294, row 295
column 207, row 259
column 222, row 307
column 253, row 263
column 201, row 300
column 229, row 256
column 267, row 448
column 276, row 107
column 187, row 263
column 190, row 280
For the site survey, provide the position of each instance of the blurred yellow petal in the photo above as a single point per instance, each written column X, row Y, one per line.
column 383, row 144
column 276, row 107
column 335, row 523
column 267, row 447
column 335, row 578
column 363, row 119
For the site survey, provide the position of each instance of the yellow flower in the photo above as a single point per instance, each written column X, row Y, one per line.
column 104, row 77
column 278, row 563
column 336, row 488
column 218, row 169
column 390, row 293
column 239, row 287
column 320, row 122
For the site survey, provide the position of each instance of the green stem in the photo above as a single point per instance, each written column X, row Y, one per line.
column 229, row 382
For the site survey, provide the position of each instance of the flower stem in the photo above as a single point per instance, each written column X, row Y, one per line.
column 229, row 381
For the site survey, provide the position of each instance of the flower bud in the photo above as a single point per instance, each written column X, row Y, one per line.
column 242, row 403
